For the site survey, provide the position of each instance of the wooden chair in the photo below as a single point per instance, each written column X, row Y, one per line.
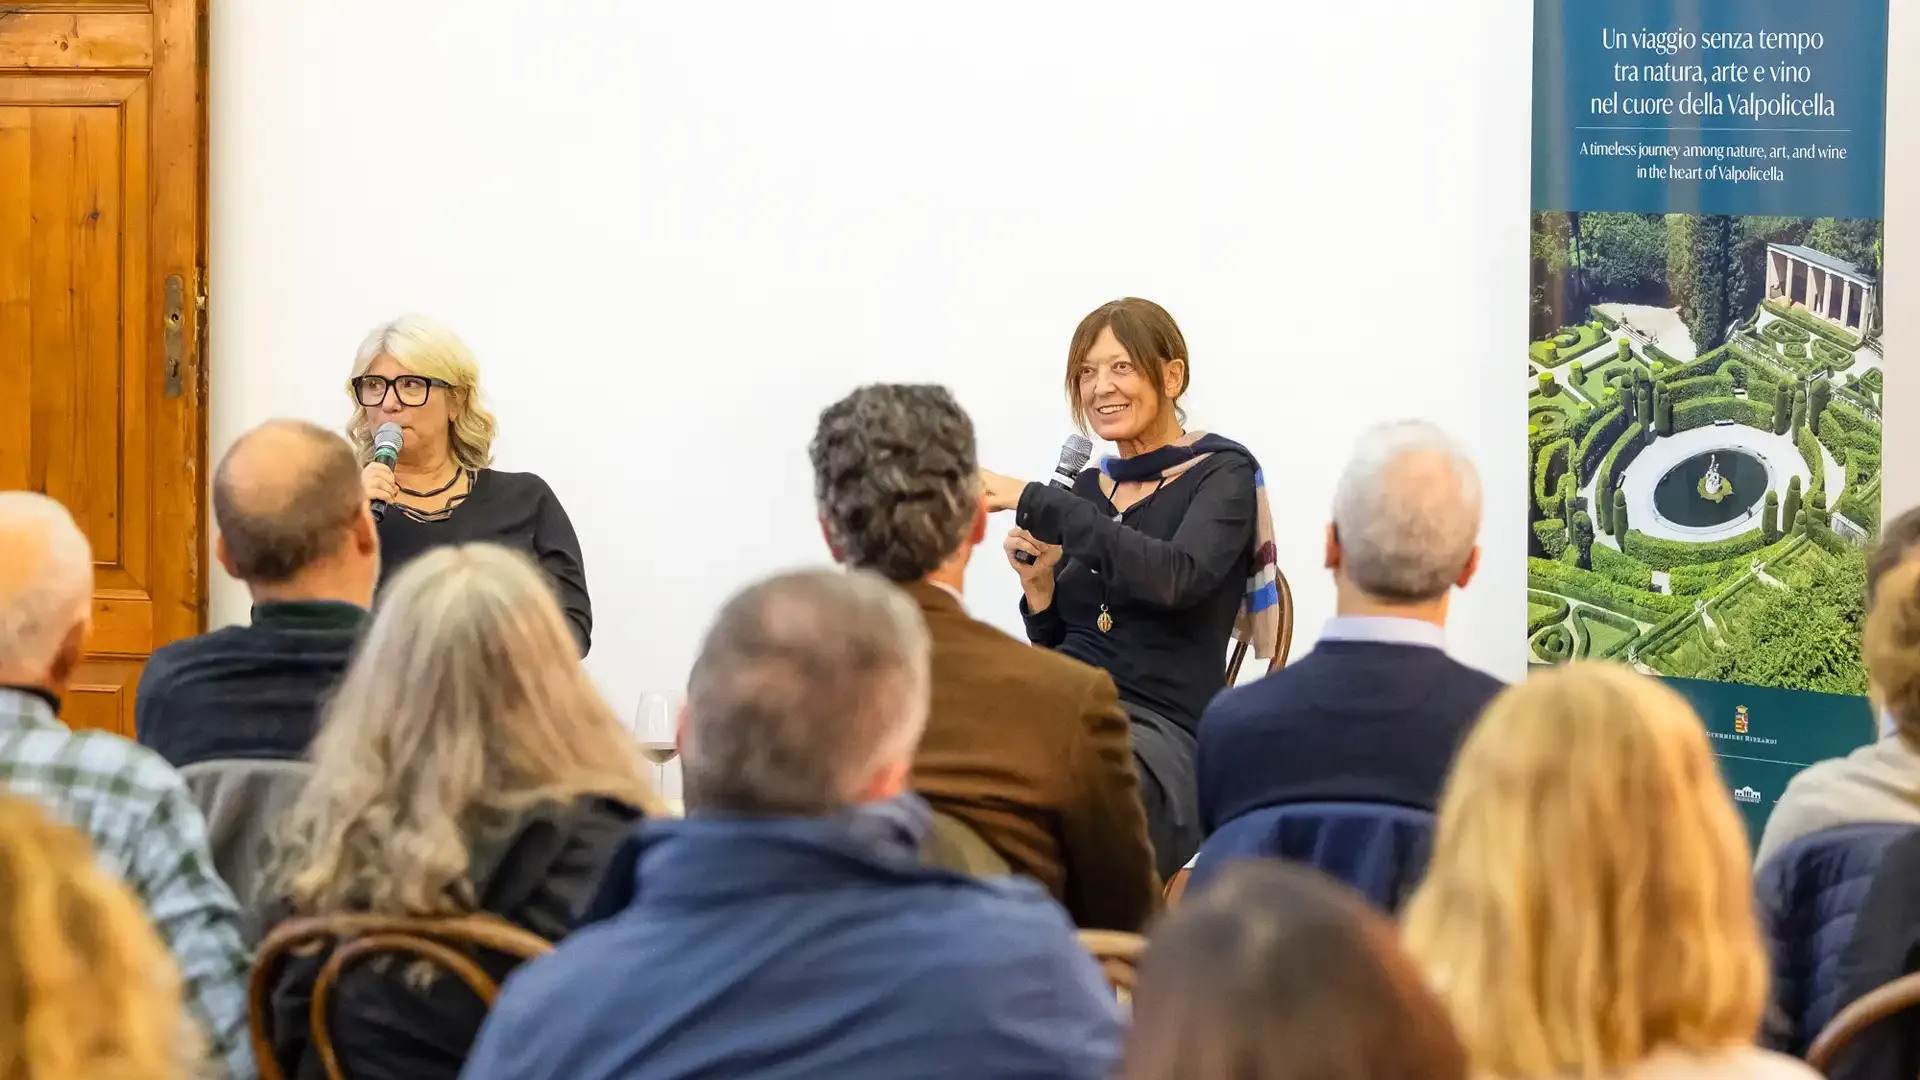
column 1117, row 952
column 1176, row 887
column 1280, row 647
column 1878, row 1004
column 353, row 938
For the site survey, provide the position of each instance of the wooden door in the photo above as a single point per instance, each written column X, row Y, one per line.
column 101, row 385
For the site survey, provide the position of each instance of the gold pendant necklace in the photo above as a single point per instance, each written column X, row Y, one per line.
column 1106, row 620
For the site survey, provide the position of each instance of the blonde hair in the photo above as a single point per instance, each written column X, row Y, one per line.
column 465, row 707
column 87, row 992
column 425, row 347
column 1588, row 901
column 1891, row 647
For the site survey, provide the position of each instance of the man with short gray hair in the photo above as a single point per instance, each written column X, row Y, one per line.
column 1028, row 748
column 1376, row 710
column 787, row 927
column 135, row 811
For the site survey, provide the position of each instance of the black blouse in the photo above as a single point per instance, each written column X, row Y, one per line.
column 1172, row 572
column 514, row 510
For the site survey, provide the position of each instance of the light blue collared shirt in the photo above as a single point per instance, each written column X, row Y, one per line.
column 1384, row 630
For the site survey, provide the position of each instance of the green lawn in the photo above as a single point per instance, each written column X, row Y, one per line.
column 1537, row 611
column 1600, row 636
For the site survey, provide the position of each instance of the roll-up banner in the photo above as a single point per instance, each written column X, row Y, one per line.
column 1704, row 362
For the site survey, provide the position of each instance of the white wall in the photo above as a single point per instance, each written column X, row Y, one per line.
column 674, row 232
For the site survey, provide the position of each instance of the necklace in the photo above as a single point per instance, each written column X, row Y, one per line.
column 441, row 490
column 1105, row 621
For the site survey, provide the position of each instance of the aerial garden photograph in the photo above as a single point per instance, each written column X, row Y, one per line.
column 1703, row 435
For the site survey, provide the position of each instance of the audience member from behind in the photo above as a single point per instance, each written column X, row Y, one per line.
column 1026, row 746
column 89, row 992
column 1375, row 711
column 787, row 928
column 1276, row 972
column 1587, row 911
column 466, row 764
column 294, row 526
column 1881, row 780
column 134, row 809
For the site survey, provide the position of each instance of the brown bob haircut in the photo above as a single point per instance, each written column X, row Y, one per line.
column 1150, row 336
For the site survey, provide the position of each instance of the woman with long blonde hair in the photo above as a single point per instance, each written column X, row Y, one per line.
column 87, row 992
column 465, row 764
column 1588, row 911
column 416, row 376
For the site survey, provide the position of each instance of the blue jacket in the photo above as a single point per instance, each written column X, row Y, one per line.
column 1379, row 849
column 806, row 948
column 1808, row 894
column 1351, row 721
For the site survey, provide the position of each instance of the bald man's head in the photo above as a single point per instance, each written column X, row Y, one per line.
column 46, row 589
column 286, row 496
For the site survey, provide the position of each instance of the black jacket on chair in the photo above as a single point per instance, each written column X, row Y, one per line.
column 1885, row 944
column 539, row 877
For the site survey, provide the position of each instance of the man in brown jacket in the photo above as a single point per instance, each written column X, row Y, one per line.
column 1027, row 747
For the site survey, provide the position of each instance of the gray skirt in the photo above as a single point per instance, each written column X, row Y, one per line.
column 1163, row 754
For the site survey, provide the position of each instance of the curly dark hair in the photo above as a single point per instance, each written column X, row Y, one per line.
column 896, row 478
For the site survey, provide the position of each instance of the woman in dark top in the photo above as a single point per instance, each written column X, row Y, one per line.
column 1144, row 567
column 465, row 764
column 420, row 375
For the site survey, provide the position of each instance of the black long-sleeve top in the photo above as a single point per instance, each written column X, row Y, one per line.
column 1172, row 572
column 514, row 510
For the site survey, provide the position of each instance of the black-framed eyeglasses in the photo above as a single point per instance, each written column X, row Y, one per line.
column 371, row 390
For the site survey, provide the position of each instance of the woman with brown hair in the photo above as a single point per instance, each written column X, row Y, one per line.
column 1154, row 561
column 1275, row 972
column 465, row 764
column 1588, row 911
column 86, row 990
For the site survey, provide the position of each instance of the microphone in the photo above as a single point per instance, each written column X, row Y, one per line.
column 386, row 451
column 1073, row 457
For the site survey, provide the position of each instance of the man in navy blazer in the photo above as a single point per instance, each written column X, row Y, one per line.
column 1375, row 711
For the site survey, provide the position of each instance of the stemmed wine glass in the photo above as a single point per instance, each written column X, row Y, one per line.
column 654, row 727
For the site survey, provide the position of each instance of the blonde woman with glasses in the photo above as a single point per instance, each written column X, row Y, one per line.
column 465, row 764
column 86, row 990
column 441, row 489
column 1587, row 912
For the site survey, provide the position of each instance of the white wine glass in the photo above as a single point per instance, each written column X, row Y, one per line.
column 654, row 727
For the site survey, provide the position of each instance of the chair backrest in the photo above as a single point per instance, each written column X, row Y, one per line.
column 349, row 939
column 1871, row 1008
column 952, row 844
column 1378, row 848
column 1807, row 895
column 1118, row 954
column 242, row 800
column 1280, row 647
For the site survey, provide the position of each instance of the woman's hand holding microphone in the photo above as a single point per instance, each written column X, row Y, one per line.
column 1036, row 577
column 379, row 483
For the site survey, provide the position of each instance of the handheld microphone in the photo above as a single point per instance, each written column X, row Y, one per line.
column 386, row 451
column 1073, row 457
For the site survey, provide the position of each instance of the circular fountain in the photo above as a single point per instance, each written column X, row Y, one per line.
column 1711, row 488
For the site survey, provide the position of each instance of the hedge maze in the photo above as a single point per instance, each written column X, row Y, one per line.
column 1599, row 586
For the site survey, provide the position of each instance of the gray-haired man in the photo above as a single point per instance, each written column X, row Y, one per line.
column 1375, row 711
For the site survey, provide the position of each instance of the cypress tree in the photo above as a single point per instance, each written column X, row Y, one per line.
column 1770, row 517
column 1625, row 349
column 1546, row 384
column 1782, row 409
column 1817, row 403
column 1790, row 510
column 1583, row 540
column 1620, row 514
column 1642, row 406
column 1799, row 419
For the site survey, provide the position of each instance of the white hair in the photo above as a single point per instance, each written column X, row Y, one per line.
column 1407, row 512
column 47, row 584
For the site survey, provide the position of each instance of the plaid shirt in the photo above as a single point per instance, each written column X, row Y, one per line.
column 145, row 829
